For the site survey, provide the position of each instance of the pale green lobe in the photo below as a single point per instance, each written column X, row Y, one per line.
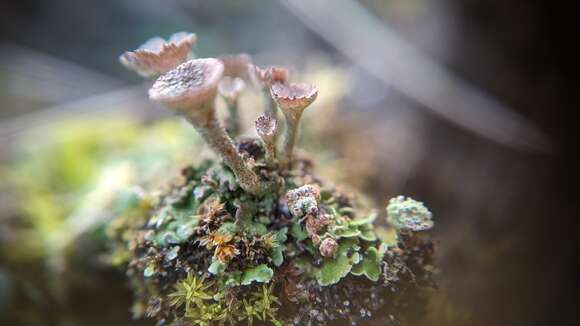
column 149, row 271
column 367, row 233
column 228, row 228
column 216, row 267
column 333, row 270
column 277, row 255
column 369, row 219
column 278, row 251
column 298, row 232
column 253, row 228
column 172, row 254
column 346, row 231
column 370, row 265
column 260, row 274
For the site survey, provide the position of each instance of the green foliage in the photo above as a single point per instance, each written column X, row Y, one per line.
column 149, row 271
column 265, row 302
column 216, row 267
column 333, row 269
column 172, row 254
column 370, row 265
column 178, row 228
column 367, row 233
column 345, row 231
column 353, row 228
column 298, row 232
column 249, row 248
column 261, row 274
column 249, row 312
column 253, row 228
column 262, row 305
column 205, row 314
column 365, row 221
column 277, row 254
column 228, row 228
column 191, row 291
column 53, row 175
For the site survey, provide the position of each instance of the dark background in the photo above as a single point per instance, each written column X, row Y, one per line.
column 508, row 219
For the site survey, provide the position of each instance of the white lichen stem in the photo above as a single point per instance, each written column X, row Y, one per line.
column 292, row 100
column 290, row 135
column 269, row 105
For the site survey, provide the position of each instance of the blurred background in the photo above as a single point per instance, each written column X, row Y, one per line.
column 465, row 105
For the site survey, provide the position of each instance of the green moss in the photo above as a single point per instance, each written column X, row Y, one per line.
column 192, row 291
column 266, row 303
column 239, row 243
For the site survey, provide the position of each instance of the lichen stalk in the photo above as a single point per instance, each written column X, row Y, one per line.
column 263, row 79
column 217, row 138
column 290, row 135
column 269, row 105
column 230, row 89
column 190, row 89
column 292, row 100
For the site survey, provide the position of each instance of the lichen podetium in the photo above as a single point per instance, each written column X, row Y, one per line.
column 255, row 237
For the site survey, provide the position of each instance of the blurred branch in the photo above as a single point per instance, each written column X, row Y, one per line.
column 369, row 43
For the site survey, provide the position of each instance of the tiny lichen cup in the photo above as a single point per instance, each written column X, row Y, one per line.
column 267, row 127
column 292, row 99
column 236, row 65
column 190, row 89
column 157, row 56
column 263, row 79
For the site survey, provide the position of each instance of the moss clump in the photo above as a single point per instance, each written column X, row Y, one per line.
column 208, row 249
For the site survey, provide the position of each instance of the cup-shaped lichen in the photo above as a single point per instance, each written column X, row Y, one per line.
column 216, row 246
column 157, row 56
column 191, row 89
column 236, row 65
column 292, row 100
column 263, row 79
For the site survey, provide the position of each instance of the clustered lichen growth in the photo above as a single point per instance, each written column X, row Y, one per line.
column 256, row 237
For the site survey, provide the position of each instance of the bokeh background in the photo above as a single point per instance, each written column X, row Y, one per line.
column 466, row 105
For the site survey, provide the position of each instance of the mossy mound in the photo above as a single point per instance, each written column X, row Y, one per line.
column 203, row 251
column 256, row 236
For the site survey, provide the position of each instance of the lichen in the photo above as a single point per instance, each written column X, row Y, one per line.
column 208, row 250
column 407, row 213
